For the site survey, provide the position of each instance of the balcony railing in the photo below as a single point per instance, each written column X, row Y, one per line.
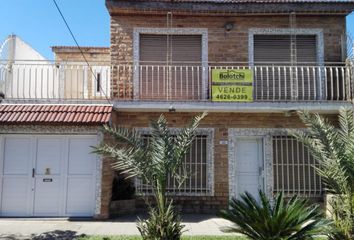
column 179, row 82
column 270, row 83
column 39, row 80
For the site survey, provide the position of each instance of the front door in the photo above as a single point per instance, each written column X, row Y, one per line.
column 249, row 165
column 47, row 176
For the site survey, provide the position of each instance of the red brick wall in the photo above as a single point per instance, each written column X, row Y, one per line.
column 223, row 46
column 220, row 122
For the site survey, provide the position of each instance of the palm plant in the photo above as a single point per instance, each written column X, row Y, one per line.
column 334, row 149
column 153, row 161
column 275, row 219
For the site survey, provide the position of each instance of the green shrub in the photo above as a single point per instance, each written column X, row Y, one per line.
column 292, row 220
column 161, row 226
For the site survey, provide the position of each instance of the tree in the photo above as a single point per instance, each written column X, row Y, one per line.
column 334, row 149
column 153, row 161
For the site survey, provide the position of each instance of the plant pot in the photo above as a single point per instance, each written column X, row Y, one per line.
column 122, row 207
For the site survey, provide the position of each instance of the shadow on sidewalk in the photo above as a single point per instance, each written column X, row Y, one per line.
column 52, row 235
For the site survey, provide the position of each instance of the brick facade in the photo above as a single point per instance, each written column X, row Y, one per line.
column 76, row 74
column 223, row 46
column 98, row 55
column 220, row 122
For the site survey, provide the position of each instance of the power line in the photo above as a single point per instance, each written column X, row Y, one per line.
column 77, row 44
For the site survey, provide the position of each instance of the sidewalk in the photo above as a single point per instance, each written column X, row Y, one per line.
column 43, row 229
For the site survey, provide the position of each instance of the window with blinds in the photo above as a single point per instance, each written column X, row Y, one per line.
column 275, row 49
column 276, row 77
column 170, row 67
column 196, row 168
column 294, row 168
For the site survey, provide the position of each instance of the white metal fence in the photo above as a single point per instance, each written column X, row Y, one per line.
column 294, row 168
column 271, row 83
column 196, row 167
column 188, row 82
column 27, row 80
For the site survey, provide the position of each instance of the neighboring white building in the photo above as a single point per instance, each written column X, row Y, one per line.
column 24, row 72
column 26, row 75
column 14, row 48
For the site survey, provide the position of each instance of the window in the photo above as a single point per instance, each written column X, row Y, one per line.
column 170, row 67
column 277, row 76
column 294, row 168
column 275, row 49
column 98, row 82
column 197, row 165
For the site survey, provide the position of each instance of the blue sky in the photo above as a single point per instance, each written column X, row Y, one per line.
column 38, row 23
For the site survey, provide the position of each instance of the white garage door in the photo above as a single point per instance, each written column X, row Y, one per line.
column 47, row 175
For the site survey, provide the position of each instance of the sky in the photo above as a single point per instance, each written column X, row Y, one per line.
column 39, row 24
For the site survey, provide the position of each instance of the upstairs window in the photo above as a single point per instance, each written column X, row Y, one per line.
column 286, row 73
column 276, row 49
column 170, row 67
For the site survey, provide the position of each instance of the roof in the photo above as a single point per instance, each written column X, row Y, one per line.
column 255, row 1
column 230, row 6
column 60, row 114
column 90, row 49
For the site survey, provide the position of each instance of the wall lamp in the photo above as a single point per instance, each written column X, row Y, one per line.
column 229, row 26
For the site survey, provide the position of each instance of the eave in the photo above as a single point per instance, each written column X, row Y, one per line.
column 119, row 7
column 254, row 107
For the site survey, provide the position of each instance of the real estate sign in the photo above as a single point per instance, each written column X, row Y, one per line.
column 232, row 85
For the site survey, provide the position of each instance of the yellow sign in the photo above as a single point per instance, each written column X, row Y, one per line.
column 232, row 85
column 232, row 93
column 232, row 76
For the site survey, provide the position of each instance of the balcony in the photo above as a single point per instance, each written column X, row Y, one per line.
column 43, row 81
column 153, row 84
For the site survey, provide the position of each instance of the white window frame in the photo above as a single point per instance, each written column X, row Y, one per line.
column 209, row 132
column 169, row 31
column 105, row 72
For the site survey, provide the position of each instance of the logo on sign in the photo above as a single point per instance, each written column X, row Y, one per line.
column 232, row 75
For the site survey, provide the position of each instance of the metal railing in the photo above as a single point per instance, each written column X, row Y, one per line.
column 179, row 82
column 33, row 80
column 270, row 83
column 294, row 168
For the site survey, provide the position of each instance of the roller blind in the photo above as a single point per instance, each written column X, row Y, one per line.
column 184, row 48
column 276, row 49
column 274, row 78
column 179, row 79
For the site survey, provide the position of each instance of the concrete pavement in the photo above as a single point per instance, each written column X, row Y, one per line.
column 46, row 229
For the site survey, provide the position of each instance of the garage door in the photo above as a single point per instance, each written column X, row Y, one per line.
column 47, row 175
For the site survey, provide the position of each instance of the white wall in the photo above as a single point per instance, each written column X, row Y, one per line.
column 27, row 73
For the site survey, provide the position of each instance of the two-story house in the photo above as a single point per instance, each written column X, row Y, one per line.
column 251, row 64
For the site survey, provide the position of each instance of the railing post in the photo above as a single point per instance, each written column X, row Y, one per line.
column 61, row 81
column 136, row 80
column 351, row 79
column 209, row 87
